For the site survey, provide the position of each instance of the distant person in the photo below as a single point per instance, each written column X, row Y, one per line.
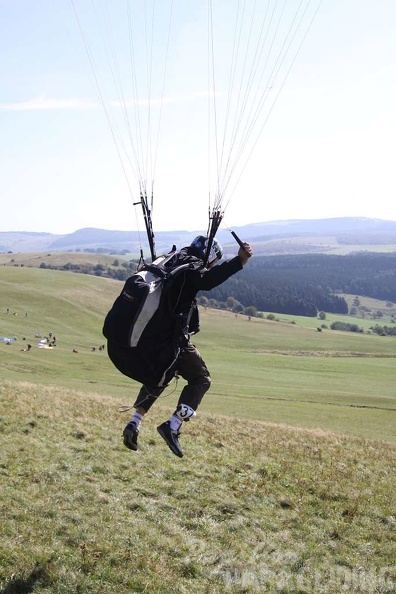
column 184, row 318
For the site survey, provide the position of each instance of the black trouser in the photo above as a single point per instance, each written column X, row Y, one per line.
column 192, row 368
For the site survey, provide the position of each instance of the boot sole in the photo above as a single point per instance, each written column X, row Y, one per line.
column 173, row 449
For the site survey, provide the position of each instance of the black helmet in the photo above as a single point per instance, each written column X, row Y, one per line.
column 200, row 244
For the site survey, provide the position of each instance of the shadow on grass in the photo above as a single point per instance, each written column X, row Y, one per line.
column 26, row 585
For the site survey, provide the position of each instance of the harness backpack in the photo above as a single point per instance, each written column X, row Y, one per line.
column 144, row 328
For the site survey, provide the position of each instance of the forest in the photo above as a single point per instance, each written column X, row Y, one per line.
column 306, row 284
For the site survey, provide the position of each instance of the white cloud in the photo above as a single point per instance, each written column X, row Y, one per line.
column 43, row 103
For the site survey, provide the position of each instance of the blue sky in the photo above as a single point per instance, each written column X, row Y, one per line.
column 326, row 149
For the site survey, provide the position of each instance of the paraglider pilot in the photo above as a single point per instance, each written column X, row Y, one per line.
column 189, row 364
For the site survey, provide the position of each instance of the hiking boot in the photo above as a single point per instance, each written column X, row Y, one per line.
column 171, row 437
column 130, row 435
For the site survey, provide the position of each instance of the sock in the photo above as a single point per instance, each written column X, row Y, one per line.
column 137, row 419
column 175, row 423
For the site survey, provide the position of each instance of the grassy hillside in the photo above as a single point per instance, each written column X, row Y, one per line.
column 252, row 507
column 325, row 244
column 286, row 486
column 365, row 318
column 57, row 259
column 273, row 371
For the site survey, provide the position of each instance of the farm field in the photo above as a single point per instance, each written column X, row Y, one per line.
column 35, row 259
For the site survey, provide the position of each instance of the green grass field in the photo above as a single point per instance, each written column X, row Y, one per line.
column 288, row 480
column 264, row 370
column 252, row 507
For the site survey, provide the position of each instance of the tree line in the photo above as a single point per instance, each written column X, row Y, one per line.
column 118, row 271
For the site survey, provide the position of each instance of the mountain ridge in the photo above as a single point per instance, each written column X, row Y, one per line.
column 310, row 235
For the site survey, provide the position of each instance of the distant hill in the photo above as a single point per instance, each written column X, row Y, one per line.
column 334, row 235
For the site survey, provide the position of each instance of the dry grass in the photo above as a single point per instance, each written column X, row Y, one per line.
column 252, row 507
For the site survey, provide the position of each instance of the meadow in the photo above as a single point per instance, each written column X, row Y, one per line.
column 287, row 484
column 275, row 371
